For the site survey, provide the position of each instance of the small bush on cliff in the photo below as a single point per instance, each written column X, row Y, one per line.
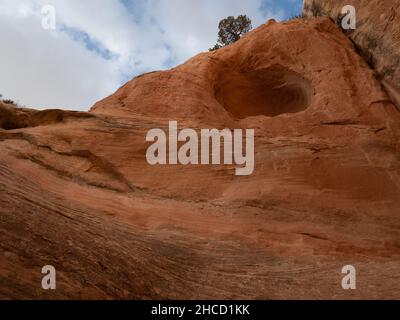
column 316, row 10
column 231, row 30
column 297, row 16
column 9, row 101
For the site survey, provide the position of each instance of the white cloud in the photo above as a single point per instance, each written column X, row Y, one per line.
column 43, row 69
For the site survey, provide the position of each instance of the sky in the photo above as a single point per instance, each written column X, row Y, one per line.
column 98, row 45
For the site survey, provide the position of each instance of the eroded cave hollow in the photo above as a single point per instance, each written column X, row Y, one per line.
column 270, row 92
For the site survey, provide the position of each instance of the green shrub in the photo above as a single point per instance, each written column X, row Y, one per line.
column 11, row 102
column 317, row 10
column 295, row 17
column 231, row 30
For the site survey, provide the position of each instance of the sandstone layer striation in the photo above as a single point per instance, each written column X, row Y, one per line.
column 76, row 191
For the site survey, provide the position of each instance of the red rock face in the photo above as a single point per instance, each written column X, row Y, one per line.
column 77, row 192
column 377, row 35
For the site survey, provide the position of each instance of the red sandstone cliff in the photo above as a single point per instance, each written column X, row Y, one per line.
column 76, row 191
column 377, row 35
